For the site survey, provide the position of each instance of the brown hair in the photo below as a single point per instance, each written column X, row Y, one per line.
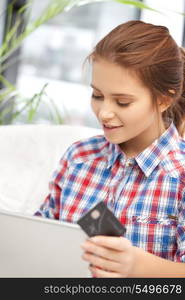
column 153, row 54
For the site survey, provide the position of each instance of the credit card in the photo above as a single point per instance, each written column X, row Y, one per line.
column 101, row 221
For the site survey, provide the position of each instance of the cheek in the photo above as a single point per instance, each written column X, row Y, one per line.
column 138, row 113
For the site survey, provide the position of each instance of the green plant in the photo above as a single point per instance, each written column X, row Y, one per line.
column 27, row 108
column 13, row 40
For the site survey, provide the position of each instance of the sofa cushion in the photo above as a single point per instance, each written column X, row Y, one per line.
column 28, row 156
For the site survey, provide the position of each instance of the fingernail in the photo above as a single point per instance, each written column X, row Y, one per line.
column 93, row 239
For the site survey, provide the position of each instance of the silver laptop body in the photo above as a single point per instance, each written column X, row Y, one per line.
column 39, row 247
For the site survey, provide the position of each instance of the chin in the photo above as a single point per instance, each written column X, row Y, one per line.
column 115, row 141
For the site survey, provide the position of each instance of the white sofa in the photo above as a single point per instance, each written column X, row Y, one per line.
column 28, row 157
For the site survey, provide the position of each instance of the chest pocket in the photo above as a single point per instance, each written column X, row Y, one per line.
column 155, row 235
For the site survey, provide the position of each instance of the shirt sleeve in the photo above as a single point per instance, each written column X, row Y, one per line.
column 50, row 208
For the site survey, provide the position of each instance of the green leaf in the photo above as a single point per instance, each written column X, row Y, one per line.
column 9, row 88
column 35, row 103
column 52, row 10
column 25, row 7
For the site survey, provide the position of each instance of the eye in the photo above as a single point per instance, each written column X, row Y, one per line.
column 123, row 104
column 97, row 97
column 101, row 97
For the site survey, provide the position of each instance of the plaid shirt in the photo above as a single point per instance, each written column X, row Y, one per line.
column 146, row 193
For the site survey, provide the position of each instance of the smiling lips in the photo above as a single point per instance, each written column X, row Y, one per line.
column 109, row 127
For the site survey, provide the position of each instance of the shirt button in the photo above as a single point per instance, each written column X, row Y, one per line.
column 129, row 163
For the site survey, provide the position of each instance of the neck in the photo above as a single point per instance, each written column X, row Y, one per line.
column 139, row 143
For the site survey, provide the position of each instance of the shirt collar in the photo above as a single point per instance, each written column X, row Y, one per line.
column 114, row 151
column 152, row 155
column 149, row 159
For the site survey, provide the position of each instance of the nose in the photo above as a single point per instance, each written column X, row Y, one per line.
column 106, row 113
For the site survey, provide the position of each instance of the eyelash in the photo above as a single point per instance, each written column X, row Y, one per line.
column 120, row 104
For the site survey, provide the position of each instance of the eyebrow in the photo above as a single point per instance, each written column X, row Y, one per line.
column 116, row 94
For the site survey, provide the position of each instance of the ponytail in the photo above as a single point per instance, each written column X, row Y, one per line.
column 176, row 111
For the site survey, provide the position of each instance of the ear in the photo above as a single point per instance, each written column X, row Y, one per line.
column 164, row 102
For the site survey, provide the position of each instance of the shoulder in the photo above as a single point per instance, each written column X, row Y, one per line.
column 174, row 163
column 87, row 149
column 182, row 145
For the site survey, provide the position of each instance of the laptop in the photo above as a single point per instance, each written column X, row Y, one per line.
column 32, row 246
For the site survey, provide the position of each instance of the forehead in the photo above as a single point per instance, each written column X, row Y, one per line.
column 111, row 77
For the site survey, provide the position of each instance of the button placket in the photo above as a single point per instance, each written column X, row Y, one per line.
column 115, row 182
column 129, row 162
column 121, row 185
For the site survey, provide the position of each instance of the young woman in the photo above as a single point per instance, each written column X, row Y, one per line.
column 138, row 166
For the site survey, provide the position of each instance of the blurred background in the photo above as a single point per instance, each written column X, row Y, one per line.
column 42, row 77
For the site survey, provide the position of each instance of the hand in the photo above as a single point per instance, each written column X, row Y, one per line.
column 109, row 256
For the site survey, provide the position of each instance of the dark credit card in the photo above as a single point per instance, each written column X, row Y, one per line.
column 101, row 221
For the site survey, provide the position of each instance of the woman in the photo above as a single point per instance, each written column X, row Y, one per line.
column 138, row 166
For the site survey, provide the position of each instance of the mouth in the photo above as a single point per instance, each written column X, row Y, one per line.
column 109, row 127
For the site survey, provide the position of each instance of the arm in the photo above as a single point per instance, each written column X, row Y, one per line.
column 116, row 257
column 50, row 208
